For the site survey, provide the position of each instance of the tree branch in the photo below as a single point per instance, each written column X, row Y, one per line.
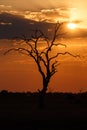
column 17, row 49
column 65, row 53
column 53, row 68
column 58, row 25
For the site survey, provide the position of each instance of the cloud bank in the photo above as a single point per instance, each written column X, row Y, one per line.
column 16, row 23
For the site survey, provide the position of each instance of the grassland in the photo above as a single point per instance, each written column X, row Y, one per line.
column 62, row 111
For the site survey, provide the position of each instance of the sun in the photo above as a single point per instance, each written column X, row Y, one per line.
column 71, row 25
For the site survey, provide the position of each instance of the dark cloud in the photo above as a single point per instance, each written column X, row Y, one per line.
column 19, row 26
column 79, row 33
column 14, row 25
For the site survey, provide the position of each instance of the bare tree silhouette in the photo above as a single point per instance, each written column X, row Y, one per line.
column 46, row 61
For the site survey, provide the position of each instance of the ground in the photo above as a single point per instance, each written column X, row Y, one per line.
column 65, row 111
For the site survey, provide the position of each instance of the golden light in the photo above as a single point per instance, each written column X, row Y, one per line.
column 71, row 25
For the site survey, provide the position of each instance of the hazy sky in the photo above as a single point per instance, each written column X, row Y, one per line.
column 17, row 17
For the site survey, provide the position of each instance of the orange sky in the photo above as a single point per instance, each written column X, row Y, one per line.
column 19, row 73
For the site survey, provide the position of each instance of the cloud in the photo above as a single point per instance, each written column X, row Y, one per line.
column 79, row 33
column 5, row 6
column 16, row 25
column 13, row 23
column 61, row 13
column 51, row 15
column 4, row 23
column 77, row 21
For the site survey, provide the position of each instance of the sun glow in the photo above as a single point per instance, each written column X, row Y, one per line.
column 71, row 25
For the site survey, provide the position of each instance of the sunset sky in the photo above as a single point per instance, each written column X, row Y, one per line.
column 18, row 17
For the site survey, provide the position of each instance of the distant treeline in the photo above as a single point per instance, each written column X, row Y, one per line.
column 80, row 97
column 6, row 92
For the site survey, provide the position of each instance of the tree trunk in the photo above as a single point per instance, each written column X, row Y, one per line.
column 42, row 95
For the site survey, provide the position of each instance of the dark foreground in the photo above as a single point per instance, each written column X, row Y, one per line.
column 63, row 111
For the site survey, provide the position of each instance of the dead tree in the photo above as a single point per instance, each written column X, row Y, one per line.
column 46, row 61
